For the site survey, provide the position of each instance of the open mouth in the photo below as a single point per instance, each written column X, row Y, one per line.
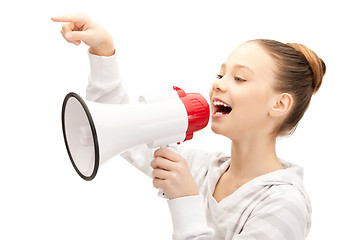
column 221, row 108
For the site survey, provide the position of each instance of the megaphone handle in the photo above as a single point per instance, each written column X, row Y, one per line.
column 161, row 192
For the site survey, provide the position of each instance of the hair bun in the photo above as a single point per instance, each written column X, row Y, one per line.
column 316, row 64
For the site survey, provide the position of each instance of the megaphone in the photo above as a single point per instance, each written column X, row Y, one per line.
column 95, row 132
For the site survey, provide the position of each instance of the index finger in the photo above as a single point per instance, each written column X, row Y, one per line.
column 68, row 18
column 168, row 154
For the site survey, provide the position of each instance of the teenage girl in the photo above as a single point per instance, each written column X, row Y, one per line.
column 262, row 91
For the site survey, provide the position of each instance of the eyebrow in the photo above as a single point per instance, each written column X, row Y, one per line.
column 238, row 66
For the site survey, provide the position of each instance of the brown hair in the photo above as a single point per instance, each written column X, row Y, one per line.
column 299, row 72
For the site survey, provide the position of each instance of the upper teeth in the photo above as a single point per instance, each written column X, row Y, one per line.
column 218, row 103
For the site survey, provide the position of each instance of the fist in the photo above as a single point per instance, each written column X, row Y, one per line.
column 172, row 174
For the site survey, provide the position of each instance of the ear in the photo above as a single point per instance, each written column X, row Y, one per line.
column 281, row 105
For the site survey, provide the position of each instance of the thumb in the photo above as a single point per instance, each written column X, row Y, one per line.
column 77, row 35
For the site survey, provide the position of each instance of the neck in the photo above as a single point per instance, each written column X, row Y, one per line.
column 253, row 157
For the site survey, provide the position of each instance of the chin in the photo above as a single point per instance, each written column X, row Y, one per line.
column 217, row 129
column 214, row 128
column 231, row 134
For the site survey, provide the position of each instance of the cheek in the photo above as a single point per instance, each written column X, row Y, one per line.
column 252, row 105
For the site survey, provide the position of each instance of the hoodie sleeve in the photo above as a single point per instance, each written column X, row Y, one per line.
column 189, row 219
column 105, row 83
column 279, row 217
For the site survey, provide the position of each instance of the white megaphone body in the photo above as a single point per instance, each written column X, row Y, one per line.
column 95, row 132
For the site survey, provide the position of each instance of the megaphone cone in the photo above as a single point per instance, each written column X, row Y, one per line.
column 95, row 132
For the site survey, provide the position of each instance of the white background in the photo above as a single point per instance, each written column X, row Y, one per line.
column 162, row 43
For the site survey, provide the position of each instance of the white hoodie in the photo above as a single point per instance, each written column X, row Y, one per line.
column 272, row 206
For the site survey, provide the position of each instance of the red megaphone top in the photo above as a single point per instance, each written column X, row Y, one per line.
column 197, row 110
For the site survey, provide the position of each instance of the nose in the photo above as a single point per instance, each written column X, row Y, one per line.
column 219, row 85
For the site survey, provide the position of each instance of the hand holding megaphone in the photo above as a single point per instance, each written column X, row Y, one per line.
column 96, row 132
column 172, row 174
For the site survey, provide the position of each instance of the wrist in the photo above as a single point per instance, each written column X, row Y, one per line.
column 183, row 195
column 106, row 49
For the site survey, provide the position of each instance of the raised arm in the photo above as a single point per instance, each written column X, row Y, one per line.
column 105, row 83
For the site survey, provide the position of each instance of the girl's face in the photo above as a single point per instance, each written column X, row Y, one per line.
column 243, row 94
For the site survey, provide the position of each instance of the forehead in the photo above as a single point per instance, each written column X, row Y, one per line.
column 253, row 56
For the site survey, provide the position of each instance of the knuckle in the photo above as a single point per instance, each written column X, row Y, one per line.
column 66, row 27
column 75, row 16
column 157, row 161
column 155, row 183
column 174, row 176
column 163, row 150
column 177, row 168
column 183, row 165
column 182, row 160
column 152, row 164
column 82, row 15
column 155, row 173
column 157, row 152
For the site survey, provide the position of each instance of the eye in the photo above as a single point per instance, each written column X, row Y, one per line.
column 219, row 76
column 239, row 79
